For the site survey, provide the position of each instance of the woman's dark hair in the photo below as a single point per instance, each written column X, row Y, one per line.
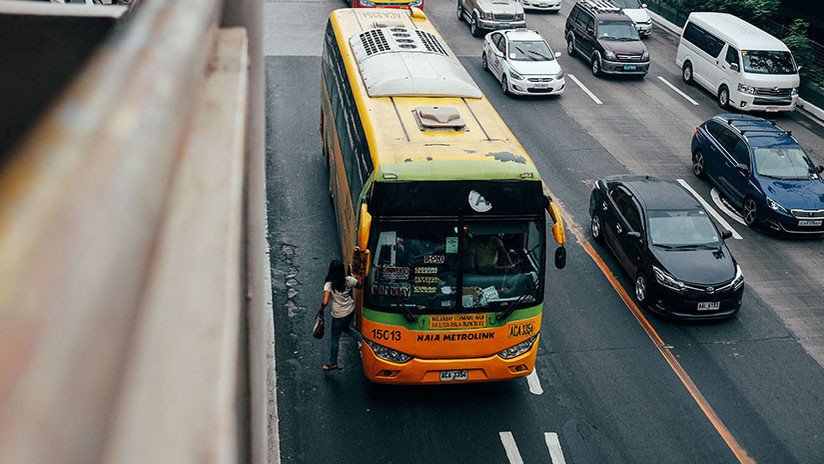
column 337, row 275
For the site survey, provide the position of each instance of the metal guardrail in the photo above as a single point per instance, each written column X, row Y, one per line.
column 124, row 250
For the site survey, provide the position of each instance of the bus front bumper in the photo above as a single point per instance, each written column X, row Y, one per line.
column 444, row 371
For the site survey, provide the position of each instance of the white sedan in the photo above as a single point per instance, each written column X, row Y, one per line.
column 523, row 62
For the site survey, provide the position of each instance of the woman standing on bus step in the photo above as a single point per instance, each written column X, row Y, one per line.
column 338, row 287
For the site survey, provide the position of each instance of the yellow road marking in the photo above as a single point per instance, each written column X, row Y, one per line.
column 739, row 452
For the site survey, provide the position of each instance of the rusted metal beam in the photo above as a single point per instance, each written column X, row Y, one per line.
column 81, row 202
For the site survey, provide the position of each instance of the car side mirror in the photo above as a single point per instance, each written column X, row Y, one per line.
column 557, row 54
column 820, row 168
column 635, row 235
column 743, row 168
column 725, row 234
column 735, row 67
column 643, row 5
column 560, row 257
column 798, row 69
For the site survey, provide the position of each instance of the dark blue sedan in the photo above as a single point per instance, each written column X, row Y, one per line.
column 763, row 171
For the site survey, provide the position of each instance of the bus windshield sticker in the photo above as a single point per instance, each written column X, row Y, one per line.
column 434, row 259
column 426, row 270
column 457, row 321
column 427, row 279
column 394, row 273
column 451, row 245
column 425, row 289
column 403, row 290
column 478, row 203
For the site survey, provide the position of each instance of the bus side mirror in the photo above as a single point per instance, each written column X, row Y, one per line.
column 558, row 227
column 360, row 262
column 364, row 224
column 560, row 257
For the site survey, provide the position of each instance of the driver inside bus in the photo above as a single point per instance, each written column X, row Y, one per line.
column 484, row 254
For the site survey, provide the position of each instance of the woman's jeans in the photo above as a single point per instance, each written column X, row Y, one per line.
column 342, row 324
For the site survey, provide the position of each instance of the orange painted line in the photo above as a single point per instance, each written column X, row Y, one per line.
column 739, row 452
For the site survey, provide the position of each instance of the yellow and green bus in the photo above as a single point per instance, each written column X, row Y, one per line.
column 438, row 206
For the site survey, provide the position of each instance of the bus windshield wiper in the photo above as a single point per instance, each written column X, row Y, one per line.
column 407, row 313
column 503, row 315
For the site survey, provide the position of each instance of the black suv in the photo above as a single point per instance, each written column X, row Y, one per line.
column 599, row 31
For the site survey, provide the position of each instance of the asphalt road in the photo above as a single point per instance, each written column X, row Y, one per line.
column 604, row 389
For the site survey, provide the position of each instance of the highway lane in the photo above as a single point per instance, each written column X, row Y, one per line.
column 607, row 392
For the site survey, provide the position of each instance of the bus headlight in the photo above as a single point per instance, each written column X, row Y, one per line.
column 519, row 349
column 387, row 354
column 667, row 280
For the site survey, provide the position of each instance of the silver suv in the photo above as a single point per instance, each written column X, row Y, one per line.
column 489, row 15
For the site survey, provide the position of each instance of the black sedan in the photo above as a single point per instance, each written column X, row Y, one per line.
column 665, row 240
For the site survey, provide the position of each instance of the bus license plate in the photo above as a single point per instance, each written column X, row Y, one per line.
column 448, row 376
column 809, row 223
column 709, row 305
column 630, row 67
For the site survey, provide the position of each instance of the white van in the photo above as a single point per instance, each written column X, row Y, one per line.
column 745, row 67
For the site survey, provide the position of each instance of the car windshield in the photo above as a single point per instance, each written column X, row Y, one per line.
column 418, row 266
column 782, row 162
column 617, row 30
column 530, row 50
column 628, row 4
column 768, row 62
column 681, row 228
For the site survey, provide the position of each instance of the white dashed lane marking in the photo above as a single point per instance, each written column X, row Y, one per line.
column 710, row 209
column 677, row 90
column 553, row 444
column 511, row 448
column 534, row 383
column 556, row 454
column 586, row 90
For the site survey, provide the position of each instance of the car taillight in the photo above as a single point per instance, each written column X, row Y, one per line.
column 696, row 130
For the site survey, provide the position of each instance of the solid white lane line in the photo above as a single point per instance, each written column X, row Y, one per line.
column 534, row 383
column 586, row 90
column 511, row 448
column 716, row 198
column 556, row 454
column 710, row 209
column 689, row 99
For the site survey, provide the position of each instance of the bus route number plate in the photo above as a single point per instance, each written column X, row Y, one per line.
column 448, row 376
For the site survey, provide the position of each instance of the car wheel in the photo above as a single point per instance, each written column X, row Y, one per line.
column 460, row 11
column 571, row 45
column 641, row 288
column 750, row 211
column 698, row 164
column 504, row 84
column 484, row 62
column 596, row 64
column 596, row 228
column 474, row 28
column 723, row 97
column 686, row 73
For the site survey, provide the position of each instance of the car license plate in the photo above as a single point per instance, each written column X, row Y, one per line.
column 809, row 222
column 630, row 67
column 709, row 305
column 448, row 376
column 505, row 25
column 541, row 86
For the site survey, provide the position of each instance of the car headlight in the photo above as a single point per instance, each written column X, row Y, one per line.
column 609, row 55
column 794, row 91
column 746, row 89
column 519, row 16
column 560, row 75
column 387, row 354
column 645, row 55
column 775, row 206
column 738, row 281
column 667, row 280
column 486, row 15
column 515, row 75
column 519, row 349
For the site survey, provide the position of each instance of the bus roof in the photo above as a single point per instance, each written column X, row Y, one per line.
column 426, row 137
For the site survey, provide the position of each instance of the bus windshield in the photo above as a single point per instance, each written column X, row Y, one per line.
column 419, row 266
